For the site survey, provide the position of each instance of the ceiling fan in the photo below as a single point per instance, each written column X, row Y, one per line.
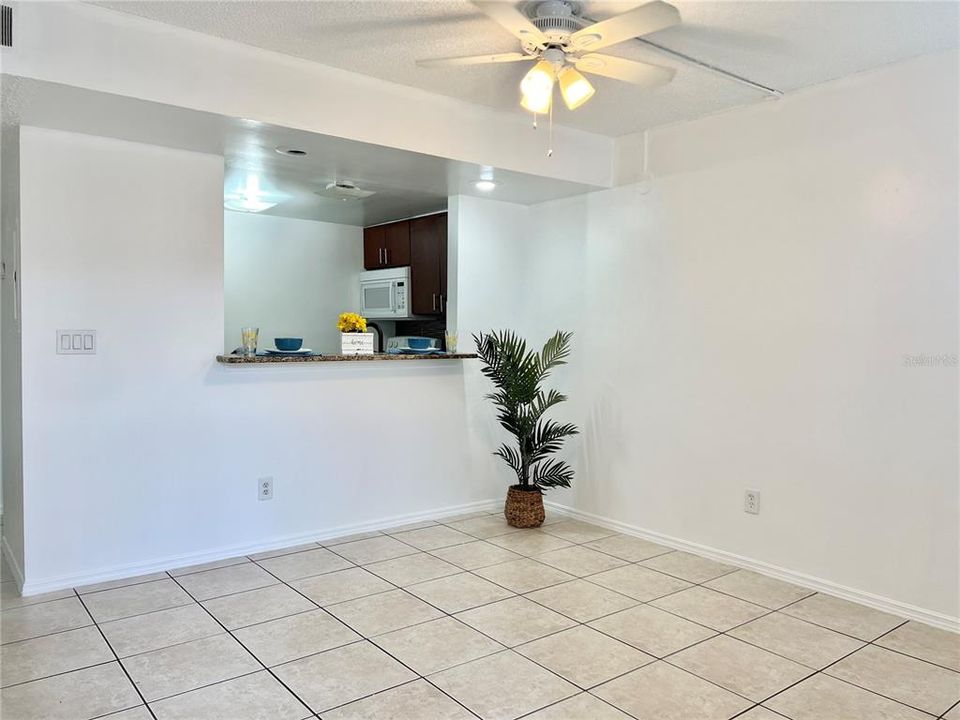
column 555, row 35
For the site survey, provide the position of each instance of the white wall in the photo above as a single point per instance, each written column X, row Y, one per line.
column 10, row 364
column 745, row 324
column 488, row 291
column 290, row 278
column 148, row 453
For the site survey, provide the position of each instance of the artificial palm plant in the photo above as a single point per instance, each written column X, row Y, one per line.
column 517, row 374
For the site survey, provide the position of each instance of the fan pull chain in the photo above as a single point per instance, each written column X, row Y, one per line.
column 534, row 121
column 550, row 134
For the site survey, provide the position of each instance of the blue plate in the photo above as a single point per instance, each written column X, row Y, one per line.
column 301, row 351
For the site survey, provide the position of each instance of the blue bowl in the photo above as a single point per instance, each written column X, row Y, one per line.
column 419, row 343
column 288, row 344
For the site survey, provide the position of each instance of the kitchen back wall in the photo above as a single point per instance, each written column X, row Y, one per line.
column 289, row 277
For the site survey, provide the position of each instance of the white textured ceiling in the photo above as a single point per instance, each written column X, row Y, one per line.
column 784, row 45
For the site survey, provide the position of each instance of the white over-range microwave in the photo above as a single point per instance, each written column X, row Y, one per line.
column 385, row 294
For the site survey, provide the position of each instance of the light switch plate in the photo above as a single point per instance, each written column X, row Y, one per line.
column 76, row 342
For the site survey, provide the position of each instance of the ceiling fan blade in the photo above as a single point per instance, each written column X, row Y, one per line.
column 510, row 19
column 476, row 59
column 642, row 20
column 629, row 71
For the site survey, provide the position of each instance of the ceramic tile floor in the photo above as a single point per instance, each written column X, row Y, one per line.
column 463, row 619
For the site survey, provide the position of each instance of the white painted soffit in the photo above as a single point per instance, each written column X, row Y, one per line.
column 98, row 49
column 405, row 182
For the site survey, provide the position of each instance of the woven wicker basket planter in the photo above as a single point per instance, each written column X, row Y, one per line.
column 523, row 508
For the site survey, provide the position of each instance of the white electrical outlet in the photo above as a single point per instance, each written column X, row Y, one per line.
column 265, row 488
column 751, row 502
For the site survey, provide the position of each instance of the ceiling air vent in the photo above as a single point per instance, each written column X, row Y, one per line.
column 344, row 190
column 6, row 26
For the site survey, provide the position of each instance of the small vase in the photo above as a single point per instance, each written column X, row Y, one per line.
column 523, row 508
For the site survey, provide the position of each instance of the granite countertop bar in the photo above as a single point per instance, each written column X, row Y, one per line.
column 284, row 359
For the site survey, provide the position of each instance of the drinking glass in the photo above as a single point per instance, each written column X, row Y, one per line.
column 248, row 339
column 452, row 343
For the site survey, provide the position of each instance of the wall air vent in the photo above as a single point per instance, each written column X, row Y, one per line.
column 6, row 26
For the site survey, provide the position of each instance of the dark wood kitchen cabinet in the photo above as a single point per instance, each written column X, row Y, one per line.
column 373, row 247
column 428, row 264
column 386, row 246
column 443, row 266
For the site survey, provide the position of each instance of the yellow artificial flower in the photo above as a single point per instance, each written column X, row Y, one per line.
column 349, row 322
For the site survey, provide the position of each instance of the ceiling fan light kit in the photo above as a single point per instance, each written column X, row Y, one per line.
column 574, row 87
column 562, row 43
column 536, row 88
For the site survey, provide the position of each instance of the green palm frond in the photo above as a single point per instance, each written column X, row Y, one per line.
column 543, row 402
column 555, row 352
column 548, row 437
column 517, row 374
column 553, row 473
column 511, row 456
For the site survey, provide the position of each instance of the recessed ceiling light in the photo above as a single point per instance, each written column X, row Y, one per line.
column 485, row 185
column 245, row 204
column 292, row 152
column 249, row 197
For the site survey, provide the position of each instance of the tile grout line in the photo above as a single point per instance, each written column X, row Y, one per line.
column 148, row 612
column 582, row 692
column 718, row 633
column 664, row 658
column 579, row 624
column 703, row 584
column 247, row 559
column 245, row 648
column 947, row 711
column 656, row 659
column 57, row 674
column 906, row 654
column 49, row 634
column 418, row 678
column 460, row 570
column 444, row 614
column 874, row 692
column 527, row 557
column 477, row 630
column 814, row 671
column 364, row 638
column 117, row 657
column 763, row 707
column 515, row 594
column 820, row 672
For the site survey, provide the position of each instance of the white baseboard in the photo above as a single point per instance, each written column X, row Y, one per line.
column 905, row 610
column 117, row 572
column 11, row 561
